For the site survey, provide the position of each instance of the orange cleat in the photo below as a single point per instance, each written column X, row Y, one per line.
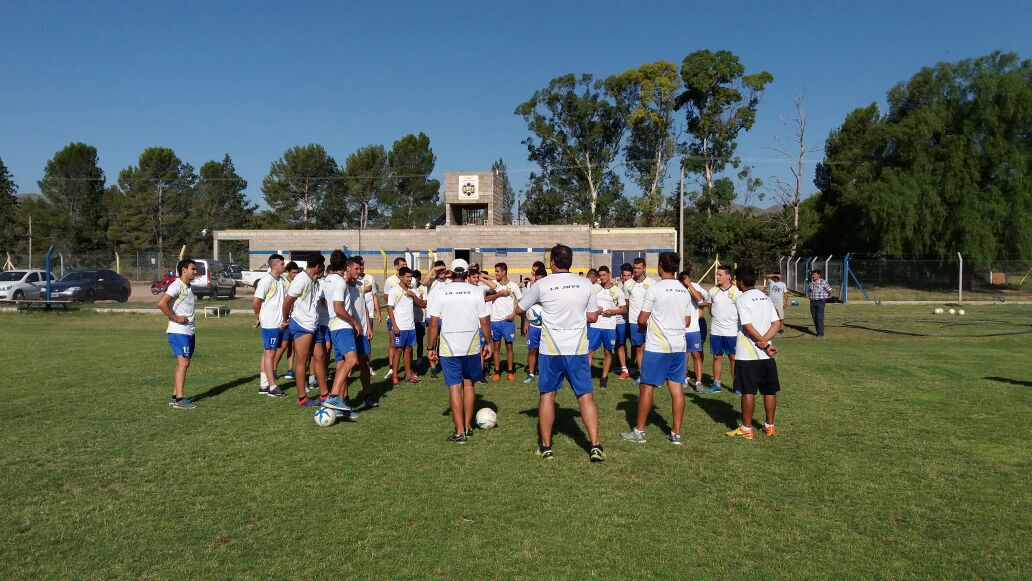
column 496, row 377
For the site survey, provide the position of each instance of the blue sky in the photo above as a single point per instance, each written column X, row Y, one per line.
column 254, row 78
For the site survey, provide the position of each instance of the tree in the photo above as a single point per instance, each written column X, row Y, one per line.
column 298, row 184
column 414, row 198
column 791, row 194
column 155, row 199
column 946, row 169
column 576, row 134
column 219, row 201
column 73, row 184
column 508, row 194
column 8, row 208
column 367, row 173
column 647, row 96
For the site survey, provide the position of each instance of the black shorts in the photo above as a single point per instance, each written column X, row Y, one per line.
column 753, row 376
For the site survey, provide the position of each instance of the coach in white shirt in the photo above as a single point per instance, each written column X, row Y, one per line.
column 568, row 304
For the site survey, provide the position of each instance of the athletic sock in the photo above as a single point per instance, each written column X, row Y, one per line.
column 766, row 425
column 745, row 429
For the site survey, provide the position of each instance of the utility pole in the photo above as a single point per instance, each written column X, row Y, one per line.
column 30, row 240
column 680, row 211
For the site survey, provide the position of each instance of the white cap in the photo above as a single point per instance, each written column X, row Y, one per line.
column 459, row 265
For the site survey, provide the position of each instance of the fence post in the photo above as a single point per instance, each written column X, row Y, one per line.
column 845, row 278
column 826, row 261
column 960, row 280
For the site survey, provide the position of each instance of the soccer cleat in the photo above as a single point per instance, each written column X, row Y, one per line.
column 597, row 454
column 715, row 388
column 675, row 439
column 634, row 436
column 624, row 374
column 739, row 433
column 334, row 402
column 530, row 379
column 181, row 404
column 457, row 438
column 511, row 377
column 323, row 397
column 636, row 381
column 603, row 382
column 389, row 373
column 413, row 378
column 370, row 403
column 263, row 390
column 545, row 452
column 307, row 402
column 469, row 432
column 275, row 392
column 738, row 392
column 496, row 377
column 289, row 375
column 394, row 380
column 769, row 431
column 699, row 389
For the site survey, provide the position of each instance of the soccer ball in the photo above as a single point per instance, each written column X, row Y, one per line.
column 534, row 315
column 325, row 417
column 938, row 310
column 486, row 418
column 795, row 303
column 960, row 312
column 953, row 311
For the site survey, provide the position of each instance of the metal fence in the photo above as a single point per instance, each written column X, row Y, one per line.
column 140, row 266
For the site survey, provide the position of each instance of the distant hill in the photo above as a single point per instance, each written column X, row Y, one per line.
column 30, row 196
column 775, row 209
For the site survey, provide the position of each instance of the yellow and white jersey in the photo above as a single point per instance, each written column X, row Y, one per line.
column 756, row 309
column 459, row 306
column 668, row 303
column 635, row 291
column 565, row 299
column 270, row 290
column 608, row 299
column 304, row 312
column 352, row 301
column 183, row 305
column 502, row 307
column 724, row 319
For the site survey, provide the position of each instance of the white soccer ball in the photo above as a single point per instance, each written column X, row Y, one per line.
column 486, row 418
column 953, row 311
column 534, row 315
column 960, row 312
column 325, row 417
column 938, row 310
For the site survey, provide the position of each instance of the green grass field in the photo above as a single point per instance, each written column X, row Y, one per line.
column 903, row 452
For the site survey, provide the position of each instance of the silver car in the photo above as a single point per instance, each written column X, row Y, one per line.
column 23, row 285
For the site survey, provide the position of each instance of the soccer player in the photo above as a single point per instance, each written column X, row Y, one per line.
column 666, row 312
column 299, row 308
column 724, row 331
column 532, row 329
column 322, row 340
column 635, row 290
column 372, row 300
column 503, row 318
column 754, row 361
column 778, row 293
column 181, row 328
column 612, row 305
column 568, row 304
column 400, row 313
column 623, row 331
column 288, row 340
column 388, row 285
column 457, row 313
column 268, row 312
column 693, row 334
column 419, row 313
column 349, row 327
column 441, row 277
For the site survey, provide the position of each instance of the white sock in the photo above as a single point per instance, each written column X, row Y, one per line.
column 745, row 429
column 624, row 369
column 264, row 380
column 766, row 425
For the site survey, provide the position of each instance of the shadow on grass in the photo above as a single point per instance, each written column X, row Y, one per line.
column 223, row 388
column 1010, row 381
column 717, row 409
column 630, row 409
column 804, row 329
column 565, row 423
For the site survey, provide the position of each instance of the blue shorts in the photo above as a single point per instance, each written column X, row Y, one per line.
column 637, row 337
column 362, row 345
column 343, row 343
column 404, row 339
column 702, row 328
column 553, row 369
column 182, row 345
column 390, row 329
column 456, row 369
column 694, row 341
column 605, row 338
column 295, row 330
column 503, row 330
column 273, row 339
column 621, row 334
column 533, row 337
column 322, row 334
column 719, row 345
column 659, row 368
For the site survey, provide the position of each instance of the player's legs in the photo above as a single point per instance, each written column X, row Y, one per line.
column 468, row 401
column 302, row 350
column 179, row 376
column 340, row 378
column 589, row 413
column 408, row 361
column 457, row 404
column 319, row 367
column 365, row 376
column 644, row 406
column 509, row 358
column 531, row 361
column 748, row 404
column 770, row 405
column 676, row 404
column 697, row 360
column 546, row 418
column 496, row 354
column 731, row 358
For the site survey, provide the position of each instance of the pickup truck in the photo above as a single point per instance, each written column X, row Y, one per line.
column 250, row 277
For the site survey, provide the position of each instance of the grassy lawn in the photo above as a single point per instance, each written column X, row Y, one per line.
column 903, row 451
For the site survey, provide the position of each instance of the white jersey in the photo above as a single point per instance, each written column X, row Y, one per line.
column 183, row 305
column 352, row 301
column 322, row 297
column 756, row 309
column 697, row 312
column 304, row 312
column 724, row 313
column 565, row 298
column 635, row 291
column 609, row 298
column 389, row 284
column 271, row 290
column 404, row 316
column 503, row 307
column 418, row 312
column 431, row 295
column 369, row 281
column 668, row 303
column 459, row 307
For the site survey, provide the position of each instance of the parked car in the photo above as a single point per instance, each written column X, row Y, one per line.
column 23, row 285
column 212, row 280
column 235, row 272
column 251, row 277
column 91, row 285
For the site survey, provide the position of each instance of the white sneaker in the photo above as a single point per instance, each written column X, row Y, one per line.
column 389, row 373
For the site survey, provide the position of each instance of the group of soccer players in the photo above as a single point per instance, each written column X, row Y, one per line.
column 467, row 314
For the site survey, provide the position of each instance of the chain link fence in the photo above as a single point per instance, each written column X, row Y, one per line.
column 143, row 266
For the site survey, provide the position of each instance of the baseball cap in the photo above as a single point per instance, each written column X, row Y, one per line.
column 459, row 266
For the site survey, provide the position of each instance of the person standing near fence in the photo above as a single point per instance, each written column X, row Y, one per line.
column 777, row 292
column 818, row 291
